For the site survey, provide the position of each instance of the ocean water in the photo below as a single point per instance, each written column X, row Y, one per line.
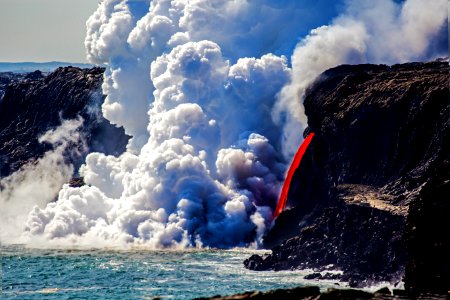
column 140, row 274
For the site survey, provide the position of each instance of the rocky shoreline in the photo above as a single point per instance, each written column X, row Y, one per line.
column 370, row 195
column 33, row 103
column 314, row 293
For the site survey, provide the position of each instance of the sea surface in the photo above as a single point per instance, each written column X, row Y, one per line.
column 139, row 274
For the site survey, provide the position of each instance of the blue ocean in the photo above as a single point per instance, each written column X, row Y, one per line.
column 140, row 274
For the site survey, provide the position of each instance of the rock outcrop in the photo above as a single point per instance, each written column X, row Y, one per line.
column 34, row 103
column 7, row 78
column 313, row 292
column 370, row 195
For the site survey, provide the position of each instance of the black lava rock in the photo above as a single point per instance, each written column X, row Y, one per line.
column 371, row 194
column 33, row 104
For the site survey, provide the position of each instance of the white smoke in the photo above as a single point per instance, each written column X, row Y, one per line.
column 37, row 183
column 380, row 32
column 184, row 188
column 198, row 86
column 129, row 35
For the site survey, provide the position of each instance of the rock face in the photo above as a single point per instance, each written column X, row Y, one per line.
column 7, row 78
column 313, row 292
column 370, row 195
column 33, row 104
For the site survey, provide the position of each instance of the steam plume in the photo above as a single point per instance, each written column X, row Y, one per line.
column 37, row 183
column 214, row 106
column 380, row 32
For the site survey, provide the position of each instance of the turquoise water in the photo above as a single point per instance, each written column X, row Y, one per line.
column 98, row 274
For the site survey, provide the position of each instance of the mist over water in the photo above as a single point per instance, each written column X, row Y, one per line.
column 211, row 93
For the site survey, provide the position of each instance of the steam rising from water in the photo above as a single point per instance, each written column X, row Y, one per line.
column 37, row 183
column 214, row 115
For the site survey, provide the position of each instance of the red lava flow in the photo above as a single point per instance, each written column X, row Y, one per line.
column 295, row 163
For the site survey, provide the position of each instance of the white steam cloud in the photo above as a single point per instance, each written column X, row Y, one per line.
column 215, row 110
column 184, row 188
column 37, row 183
column 380, row 32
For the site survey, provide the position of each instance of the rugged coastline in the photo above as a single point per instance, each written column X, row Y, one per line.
column 370, row 197
column 313, row 292
column 33, row 103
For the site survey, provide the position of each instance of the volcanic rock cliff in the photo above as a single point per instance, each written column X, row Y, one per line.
column 34, row 103
column 7, row 78
column 371, row 194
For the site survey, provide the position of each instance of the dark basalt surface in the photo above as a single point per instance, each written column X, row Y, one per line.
column 314, row 293
column 34, row 103
column 9, row 77
column 371, row 194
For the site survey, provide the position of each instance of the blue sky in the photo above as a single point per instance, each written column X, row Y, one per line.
column 44, row 30
column 49, row 30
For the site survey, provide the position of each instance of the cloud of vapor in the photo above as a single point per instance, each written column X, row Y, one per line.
column 201, row 169
column 129, row 35
column 215, row 110
column 37, row 183
column 380, row 32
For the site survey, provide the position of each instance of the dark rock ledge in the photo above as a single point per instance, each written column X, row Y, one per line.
column 313, row 292
column 33, row 103
column 371, row 196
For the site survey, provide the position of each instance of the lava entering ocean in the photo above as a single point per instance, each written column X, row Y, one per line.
column 211, row 94
column 294, row 166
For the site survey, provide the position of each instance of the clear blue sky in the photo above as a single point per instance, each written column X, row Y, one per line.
column 44, row 30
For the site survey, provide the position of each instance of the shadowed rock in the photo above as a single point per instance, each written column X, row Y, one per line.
column 379, row 163
column 33, row 104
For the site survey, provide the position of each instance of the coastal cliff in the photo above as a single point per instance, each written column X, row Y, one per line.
column 369, row 197
column 33, row 103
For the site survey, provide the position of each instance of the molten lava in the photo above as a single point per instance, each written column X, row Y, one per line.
column 295, row 163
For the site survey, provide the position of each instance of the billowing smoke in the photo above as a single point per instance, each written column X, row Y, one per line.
column 213, row 103
column 37, row 183
column 130, row 35
column 380, row 32
column 207, row 175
